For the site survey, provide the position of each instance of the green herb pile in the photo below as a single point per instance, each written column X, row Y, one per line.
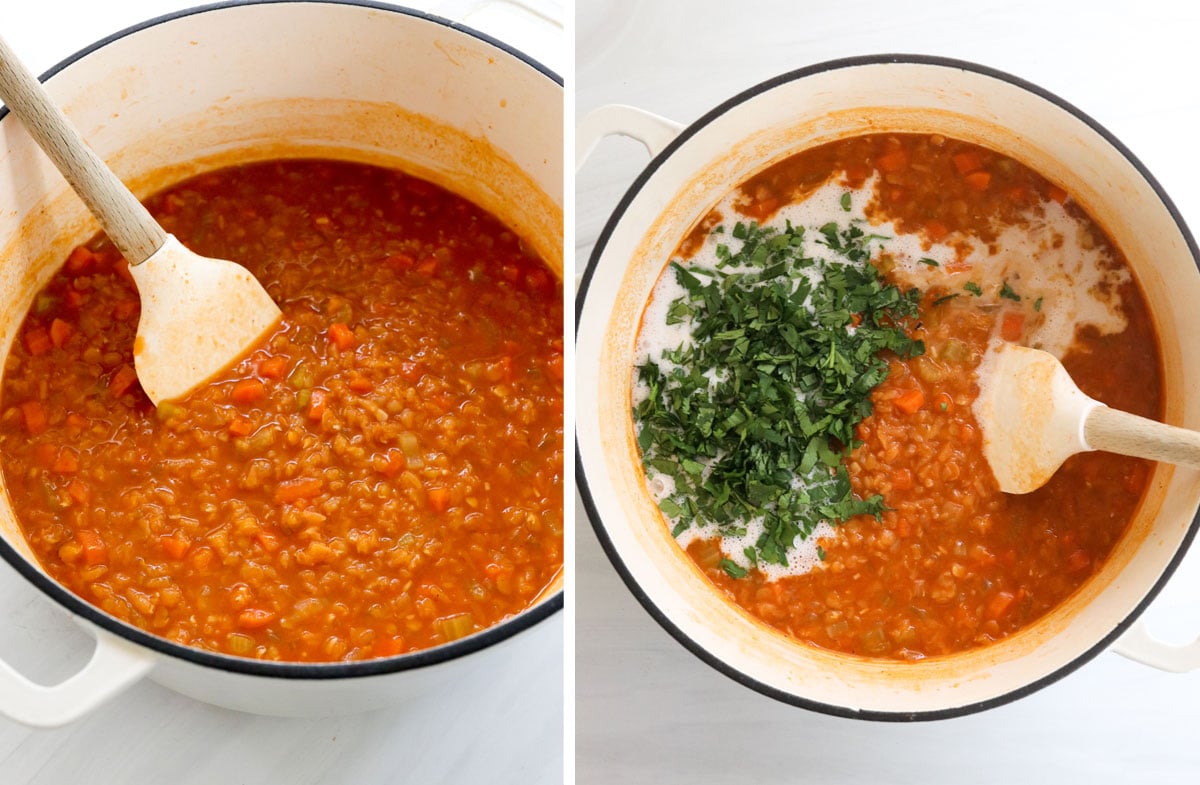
column 753, row 417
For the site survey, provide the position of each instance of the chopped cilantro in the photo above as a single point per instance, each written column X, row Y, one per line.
column 820, row 553
column 732, row 568
column 928, row 261
column 945, row 299
column 1007, row 292
column 773, row 383
column 846, row 201
column 973, row 288
column 1037, row 305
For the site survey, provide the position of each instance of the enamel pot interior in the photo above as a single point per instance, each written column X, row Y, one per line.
column 237, row 83
column 760, row 127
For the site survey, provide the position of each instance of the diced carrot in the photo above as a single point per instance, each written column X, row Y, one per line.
column 240, row 426
column 978, row 180
column 74, row 298
column 80, row 260
column 124, row 310
column 501, row 370
column 175, row 547
column 555, row 365
column 294, row 490
column 902, row 480
column 60, row 332
column 76, row 421
column 510, row 272
column 37, row 340
column 247, row 391
column 999, row 604
column 411, row 371
column 359, row 383
column 936, row 229
column 66, row 462
column 122, row 379
column 316, row 405
column 94, row 550
column 967, row 434
column 892, row 161
column 79, row 491
column 428, row 266
column 273, row 368
column 254, row 618
column 439, row 499
column 389, row 647
column 1057, row 194
column 390, row 463
column 1012, row 326
column 967, row 161
column 942, row 402
column 1078, row 561
column 340, row 336
column 34, row 415
column 855, row 319
column 911, row 401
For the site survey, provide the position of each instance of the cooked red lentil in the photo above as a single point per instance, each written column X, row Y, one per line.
column 383, row 475
column 952, row 563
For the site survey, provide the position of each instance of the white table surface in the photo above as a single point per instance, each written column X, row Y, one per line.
column 513, row 734
column 647, row 710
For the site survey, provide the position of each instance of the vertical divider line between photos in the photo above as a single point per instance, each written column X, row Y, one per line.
column 569, row 276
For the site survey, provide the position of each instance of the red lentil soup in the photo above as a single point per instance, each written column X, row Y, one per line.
column 383, row 475
column 951, row 563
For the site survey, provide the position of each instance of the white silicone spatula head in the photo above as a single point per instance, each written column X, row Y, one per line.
column 199, row 315
column 1034, row 417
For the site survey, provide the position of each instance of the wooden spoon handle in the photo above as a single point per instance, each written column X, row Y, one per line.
column 1116, row 431
column 130, row 226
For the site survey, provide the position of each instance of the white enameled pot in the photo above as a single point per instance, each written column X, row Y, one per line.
column 692, row 168
column 237, row 82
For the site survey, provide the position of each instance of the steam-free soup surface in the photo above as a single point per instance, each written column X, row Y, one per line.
column 383, row 475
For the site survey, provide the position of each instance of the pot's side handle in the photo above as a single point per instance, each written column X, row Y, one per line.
column 652, row 131
column 115, row 665
column 1139, row 645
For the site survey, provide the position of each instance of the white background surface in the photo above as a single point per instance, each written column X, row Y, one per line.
column 512, row 734
column 648, row 711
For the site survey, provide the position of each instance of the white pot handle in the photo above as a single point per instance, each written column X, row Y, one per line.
column 619, row 120
column 115, row 665
column 1139, row 645
column 653, row 131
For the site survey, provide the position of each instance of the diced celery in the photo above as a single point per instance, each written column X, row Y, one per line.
column 302, row 376
column 708, row 554
column 44, row 303
column 454, row 627
column 240, row 644
column 410, row 445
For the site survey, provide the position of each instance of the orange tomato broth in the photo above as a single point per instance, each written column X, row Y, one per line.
column 383, row 475
column 954, row 563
